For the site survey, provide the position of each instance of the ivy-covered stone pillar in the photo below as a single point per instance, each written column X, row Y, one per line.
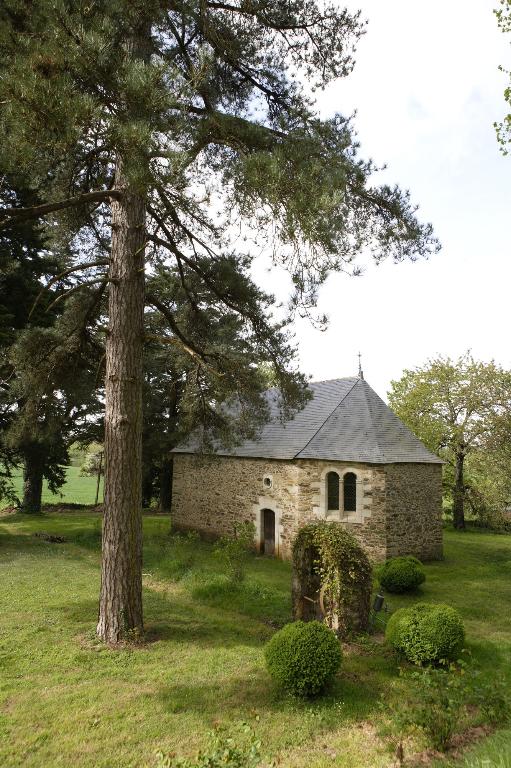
column 332, row 579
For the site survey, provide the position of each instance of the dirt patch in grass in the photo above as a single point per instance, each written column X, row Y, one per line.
column 10, row 510
column 460, row 743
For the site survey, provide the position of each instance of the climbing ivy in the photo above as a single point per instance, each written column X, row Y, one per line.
column 328, row 561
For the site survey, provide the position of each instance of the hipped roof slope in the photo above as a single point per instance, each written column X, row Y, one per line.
column 345, row 420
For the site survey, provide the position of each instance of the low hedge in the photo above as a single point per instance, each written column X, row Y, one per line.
column 427, row 633
column 401, row 574
column 303, row 657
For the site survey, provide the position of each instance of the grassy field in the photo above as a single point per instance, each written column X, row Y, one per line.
column 66, row 700
column 78, row 489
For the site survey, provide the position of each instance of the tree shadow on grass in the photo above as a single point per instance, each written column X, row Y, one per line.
column 170, row 611
column 180, row 620
column 27, row 537
column 177, row 620
column 347, row 699
column 249, row 597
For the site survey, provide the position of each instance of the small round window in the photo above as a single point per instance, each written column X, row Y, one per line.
column 267, row 481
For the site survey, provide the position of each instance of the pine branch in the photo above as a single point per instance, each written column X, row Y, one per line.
column 186, row 344
column 99, row 263
column 103, row 280
column 172, row 247
column 37, row 211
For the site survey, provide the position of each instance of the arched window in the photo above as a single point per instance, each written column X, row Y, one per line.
column 350, row 492
column 332, row 491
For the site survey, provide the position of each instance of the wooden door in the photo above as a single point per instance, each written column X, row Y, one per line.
column 268, row 532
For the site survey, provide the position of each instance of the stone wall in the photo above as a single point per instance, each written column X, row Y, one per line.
column 398, row 505
column 414, row 510
column 211, row 493
column 367, row 524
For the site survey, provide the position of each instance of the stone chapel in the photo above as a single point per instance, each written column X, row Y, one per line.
column 345, row 457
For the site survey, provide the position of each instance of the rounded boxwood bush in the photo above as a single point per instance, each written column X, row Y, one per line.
column 303, row 657
column 427, row 633
column 401, row 574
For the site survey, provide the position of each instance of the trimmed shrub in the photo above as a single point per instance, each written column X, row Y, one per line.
column 427, row 633
column 303, row 657
column 401, row 574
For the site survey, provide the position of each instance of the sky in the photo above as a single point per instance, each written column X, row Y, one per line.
column 427, row 90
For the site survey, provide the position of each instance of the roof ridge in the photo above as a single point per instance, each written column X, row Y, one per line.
column 399, row 422
column 327, row 417
column 327, row 381
column 371, row 419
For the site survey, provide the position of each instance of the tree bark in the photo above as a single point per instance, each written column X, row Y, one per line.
column 32, row 485
column 166, row 485
column 458, row 509
column 120, row 607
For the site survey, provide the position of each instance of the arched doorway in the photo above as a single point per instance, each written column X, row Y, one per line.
column 268, row 532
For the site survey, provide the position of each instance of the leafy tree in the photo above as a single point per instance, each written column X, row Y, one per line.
column 503, row 129
column 454, row 406
column 176, row 126
column 92, row 460
column 489, row 477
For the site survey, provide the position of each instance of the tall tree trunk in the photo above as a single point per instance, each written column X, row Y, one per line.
column 458, row 509
column 120, row 607
column 32, row 484
column 166, row 485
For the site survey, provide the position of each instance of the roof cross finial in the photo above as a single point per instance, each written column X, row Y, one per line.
column 360, row 371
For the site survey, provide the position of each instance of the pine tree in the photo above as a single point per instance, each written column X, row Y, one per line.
column 53, row 397
column 222, row 400
column 177, row 126
column 46, row 356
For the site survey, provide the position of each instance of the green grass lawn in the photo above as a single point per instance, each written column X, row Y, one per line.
column 66, row 700
column 77, row 489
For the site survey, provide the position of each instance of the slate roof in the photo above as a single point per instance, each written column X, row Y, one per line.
column 344, row 421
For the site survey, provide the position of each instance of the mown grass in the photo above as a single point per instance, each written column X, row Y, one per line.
column 78, row 489
column 66, row 700
column 493, row 752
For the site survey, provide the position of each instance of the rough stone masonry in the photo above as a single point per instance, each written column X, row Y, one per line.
column 344, row 457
